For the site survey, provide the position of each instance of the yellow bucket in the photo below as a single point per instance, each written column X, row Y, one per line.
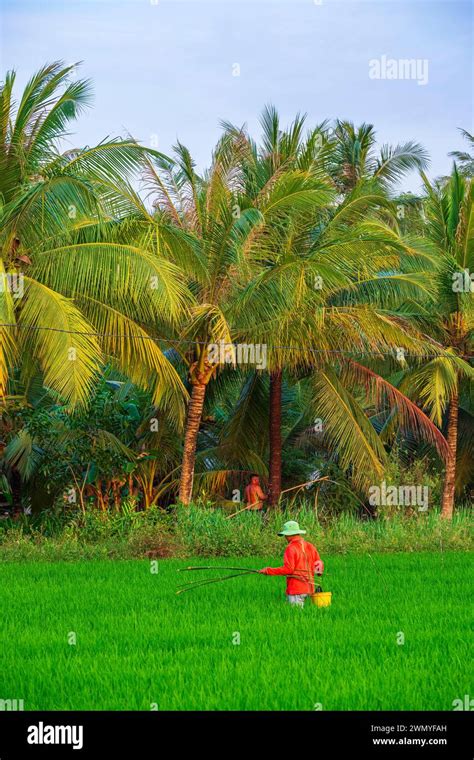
column 322, row 598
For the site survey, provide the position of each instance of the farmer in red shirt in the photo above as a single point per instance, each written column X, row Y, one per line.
column 301, row 559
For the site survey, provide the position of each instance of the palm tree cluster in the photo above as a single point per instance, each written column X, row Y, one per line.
column 291, row 248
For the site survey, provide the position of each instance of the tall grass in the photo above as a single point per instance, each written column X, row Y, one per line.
column 207, row 532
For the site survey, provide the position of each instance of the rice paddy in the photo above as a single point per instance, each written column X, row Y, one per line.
column 114, row 635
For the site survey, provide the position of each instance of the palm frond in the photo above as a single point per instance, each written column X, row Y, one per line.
column 410, row 417
column 69, row 354
column 348, row 430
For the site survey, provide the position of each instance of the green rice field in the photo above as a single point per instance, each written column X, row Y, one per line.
column 114, row 635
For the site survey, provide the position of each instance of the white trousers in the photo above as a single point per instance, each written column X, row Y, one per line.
column 297, row 599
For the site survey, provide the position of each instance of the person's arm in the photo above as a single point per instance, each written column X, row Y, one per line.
column 288, row 564
column 318, row 563
column 260, row 493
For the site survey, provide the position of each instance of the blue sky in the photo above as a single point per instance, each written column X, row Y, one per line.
column 164, row 70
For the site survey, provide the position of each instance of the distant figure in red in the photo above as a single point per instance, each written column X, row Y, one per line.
column 301, row 562
column 254, row 496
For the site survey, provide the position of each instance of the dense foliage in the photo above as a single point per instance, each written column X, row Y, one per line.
column 284, row 313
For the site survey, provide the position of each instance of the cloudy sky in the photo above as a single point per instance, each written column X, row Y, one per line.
column 168, row 69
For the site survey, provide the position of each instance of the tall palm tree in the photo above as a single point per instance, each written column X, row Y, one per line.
column 88, row 294
column 336, row 335
column 281, row 152
column 225, row 223
column 450, row 318
column 346, row 248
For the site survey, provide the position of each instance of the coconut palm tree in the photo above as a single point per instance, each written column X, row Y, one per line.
column 322, row 267
column 281, row 151
column 87, row 294
column 441, row 383
column 332, row 335
column 225, row 222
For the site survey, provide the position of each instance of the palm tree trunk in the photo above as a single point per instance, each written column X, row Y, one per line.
column 275, row 438
column 16, row 486
column 447, row 504
column 196, row 404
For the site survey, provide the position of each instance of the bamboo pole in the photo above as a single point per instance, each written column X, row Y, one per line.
column 217, row 567
column 197, row 584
